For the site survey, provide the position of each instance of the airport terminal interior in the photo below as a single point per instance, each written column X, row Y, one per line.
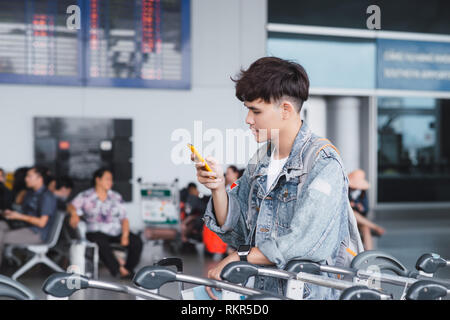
column 104, row 102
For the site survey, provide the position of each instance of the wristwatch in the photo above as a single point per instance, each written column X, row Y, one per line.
column 243, row 251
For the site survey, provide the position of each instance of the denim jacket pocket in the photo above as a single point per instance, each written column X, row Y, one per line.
column 286, row 205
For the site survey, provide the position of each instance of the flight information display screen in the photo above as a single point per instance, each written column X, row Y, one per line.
column 127, row 43
column 36, row 45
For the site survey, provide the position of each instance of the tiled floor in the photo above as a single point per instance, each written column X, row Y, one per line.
column 408, row 235
column 411, row 234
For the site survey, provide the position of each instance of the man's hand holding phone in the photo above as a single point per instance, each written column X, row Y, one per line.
column 213, row 179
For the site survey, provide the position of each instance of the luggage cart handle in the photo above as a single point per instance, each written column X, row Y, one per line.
column 153, row 277
column 172, row 261
column 10, row 288
column 63, row 285
column 308, row 266
column 176, row 262
column 238, row 272
column 363, row 293
column 426, row 290
column 431, row 262
column 231, row 273
column 312, row 267
column 382, row 260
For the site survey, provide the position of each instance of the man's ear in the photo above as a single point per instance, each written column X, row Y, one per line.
column 287, row 109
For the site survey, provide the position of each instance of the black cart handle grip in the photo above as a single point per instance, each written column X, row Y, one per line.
column 172, row 261
column 384, row 261
column 300, row 265
column 154, row 277
column 238, row 272
column 426, row 290
column 430, row 263
column 63, row 285
column 360, row 293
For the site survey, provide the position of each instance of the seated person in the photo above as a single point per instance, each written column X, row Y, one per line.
column 62, row 188
column 20, row 186
column 231, row 175
column 194, row 207
column 6, row 195
column 38, row 208
column 107, row 223
column 358, row 186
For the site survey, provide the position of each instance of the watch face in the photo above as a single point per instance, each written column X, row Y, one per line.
column 244, row 248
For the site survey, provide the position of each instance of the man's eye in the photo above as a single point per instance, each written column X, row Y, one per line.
column 255, row 112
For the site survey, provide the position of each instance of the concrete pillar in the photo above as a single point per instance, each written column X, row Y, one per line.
column 343, row 128
column 314, row 112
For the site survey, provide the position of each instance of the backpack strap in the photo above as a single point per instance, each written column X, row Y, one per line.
column 316, row 145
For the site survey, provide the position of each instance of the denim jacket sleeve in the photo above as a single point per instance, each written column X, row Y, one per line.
column 234, row 230
column 316, row 221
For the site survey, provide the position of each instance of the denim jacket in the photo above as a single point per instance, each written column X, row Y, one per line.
column 286, row 223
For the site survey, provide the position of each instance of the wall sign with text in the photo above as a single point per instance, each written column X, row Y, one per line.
column 413, row 65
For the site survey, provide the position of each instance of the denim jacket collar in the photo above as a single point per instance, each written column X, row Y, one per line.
column 294, row 161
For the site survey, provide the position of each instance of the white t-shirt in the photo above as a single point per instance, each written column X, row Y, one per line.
column 274, row 169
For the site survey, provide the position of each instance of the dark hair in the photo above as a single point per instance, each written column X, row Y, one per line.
column 1, row 170
column 19, row 180
column 43, row 172
column 272, row 78
column 64, row 181
column 234, row 168
column 99, row 173
column 191, row 185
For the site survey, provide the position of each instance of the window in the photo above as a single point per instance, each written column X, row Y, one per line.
column 413, row 150
column 352, row 64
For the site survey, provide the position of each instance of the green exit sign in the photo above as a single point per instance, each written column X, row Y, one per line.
column 156, row 193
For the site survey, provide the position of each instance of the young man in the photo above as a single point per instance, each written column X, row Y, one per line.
column 282, row 208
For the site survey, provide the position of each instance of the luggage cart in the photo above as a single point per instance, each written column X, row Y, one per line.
column 154, row 277
column 61, row 285
column 299, row 271
column 160, row 211
column 239, row 272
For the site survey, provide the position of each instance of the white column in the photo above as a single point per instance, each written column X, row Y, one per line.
column 314, row 112
column 344, row 129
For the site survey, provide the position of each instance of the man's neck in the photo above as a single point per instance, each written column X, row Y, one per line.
column 286, row 140
column 101, row 191
column 36, row 188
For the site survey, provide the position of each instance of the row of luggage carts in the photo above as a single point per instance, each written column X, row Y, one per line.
column 365, row 279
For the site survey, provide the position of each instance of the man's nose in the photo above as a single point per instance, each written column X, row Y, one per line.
column 249, row 119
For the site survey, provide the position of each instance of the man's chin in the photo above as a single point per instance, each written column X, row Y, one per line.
column 259, row 139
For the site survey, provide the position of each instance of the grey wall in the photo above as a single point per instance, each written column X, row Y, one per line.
column 225, row 36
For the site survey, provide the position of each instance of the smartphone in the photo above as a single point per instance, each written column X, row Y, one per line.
column 199, row 157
